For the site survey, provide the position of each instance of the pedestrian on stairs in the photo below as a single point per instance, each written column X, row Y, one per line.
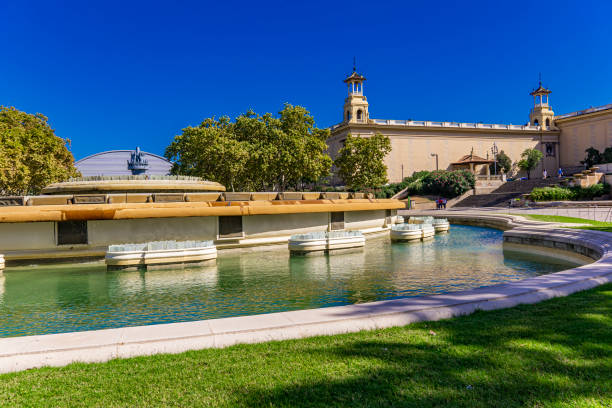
column 544, row 174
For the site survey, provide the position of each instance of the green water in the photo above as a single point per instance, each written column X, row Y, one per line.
column 57, row 299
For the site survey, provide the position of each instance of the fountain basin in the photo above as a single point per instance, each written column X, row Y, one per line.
column 441, row 225
column 428, row 231
column 159, row 253
column 326, row 241
column 406, row 232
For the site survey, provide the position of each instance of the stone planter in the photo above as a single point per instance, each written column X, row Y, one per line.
column 344, row 240
column 441, row 225
column 407, row 232
column 420, row 220
column 338, row 195
column 304, row 243
column 237, row 196
column 159, row 253
column 291, row 195
column 428, row 231
column 326, row 241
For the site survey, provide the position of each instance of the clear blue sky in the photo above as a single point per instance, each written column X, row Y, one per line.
column 117, row 74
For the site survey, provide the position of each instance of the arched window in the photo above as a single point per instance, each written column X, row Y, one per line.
column 536, row 123
column 547, row 122
column 359, row 114
column 348, row 115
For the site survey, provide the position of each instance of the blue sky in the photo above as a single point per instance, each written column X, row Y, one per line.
column 117, row 74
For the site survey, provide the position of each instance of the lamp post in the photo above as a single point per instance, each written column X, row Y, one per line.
column 436, row 156
column 494, row 151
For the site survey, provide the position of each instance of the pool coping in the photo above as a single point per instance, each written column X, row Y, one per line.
column 21, row 353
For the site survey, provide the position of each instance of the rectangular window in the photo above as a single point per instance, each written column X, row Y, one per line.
column 337, row 220
column 230, row 226
column 71, row 232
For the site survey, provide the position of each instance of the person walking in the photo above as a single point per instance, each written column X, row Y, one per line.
column 560, row 172
column 544, row 174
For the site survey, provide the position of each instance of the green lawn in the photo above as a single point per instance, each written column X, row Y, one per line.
column 556, row 353
column 593, row 225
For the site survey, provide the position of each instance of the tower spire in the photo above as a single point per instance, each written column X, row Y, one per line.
column 541, row 114
column 355, row 105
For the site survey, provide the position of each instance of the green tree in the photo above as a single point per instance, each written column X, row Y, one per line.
column 504, row 163
column 31, row 155
column 606, row 157
column 255, row 152
column 360, row 162
column 529, row 160
column 210, row 151
column 592, row 157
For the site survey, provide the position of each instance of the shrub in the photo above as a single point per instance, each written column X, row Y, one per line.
column 443, row 183
column 448, row 183
column 389, row 190
column 551, row 194
column 569, row 193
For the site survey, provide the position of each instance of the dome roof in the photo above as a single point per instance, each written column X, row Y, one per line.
column 123, row 163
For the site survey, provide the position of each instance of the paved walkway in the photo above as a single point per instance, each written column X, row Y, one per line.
column 591, row 213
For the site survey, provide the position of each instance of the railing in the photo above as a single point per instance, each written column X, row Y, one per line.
column 585, row 111
column 417, row 123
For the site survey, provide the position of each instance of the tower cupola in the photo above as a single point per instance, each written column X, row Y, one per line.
column 541, row 114
column 356, row 104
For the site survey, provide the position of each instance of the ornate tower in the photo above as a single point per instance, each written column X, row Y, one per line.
column 356, row 104
column 541, row 114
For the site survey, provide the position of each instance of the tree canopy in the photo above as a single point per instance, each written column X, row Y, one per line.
column 529, row 160
column 31, row 155
column 594, row 157
column 504, row 163
column 360, row 162
column 255, row 152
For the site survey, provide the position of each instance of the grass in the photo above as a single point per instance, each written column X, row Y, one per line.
column 593, row 225
column 557, row 353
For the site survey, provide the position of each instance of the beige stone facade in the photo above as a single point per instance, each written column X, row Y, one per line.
column 427, row 145
column 581, row 130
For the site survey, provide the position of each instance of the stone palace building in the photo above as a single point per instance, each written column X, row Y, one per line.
column 427, row 145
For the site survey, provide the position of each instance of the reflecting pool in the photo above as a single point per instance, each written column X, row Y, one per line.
column 55, row 299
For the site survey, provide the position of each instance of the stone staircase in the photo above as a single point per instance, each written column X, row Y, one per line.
column 502, row 195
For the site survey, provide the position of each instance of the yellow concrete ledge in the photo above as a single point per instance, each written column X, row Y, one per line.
column 124, row 211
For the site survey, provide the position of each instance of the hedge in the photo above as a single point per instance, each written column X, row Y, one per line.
column 569, row 193
column 442, row 183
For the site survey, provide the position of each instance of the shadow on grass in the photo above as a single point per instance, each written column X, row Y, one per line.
column 556, row 353
column 595, row 228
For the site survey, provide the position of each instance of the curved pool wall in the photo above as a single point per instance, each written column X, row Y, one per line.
column 66, row 298
column 51, row 233
column 20, row 353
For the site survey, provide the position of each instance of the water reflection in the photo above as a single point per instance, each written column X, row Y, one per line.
column 47, row 299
